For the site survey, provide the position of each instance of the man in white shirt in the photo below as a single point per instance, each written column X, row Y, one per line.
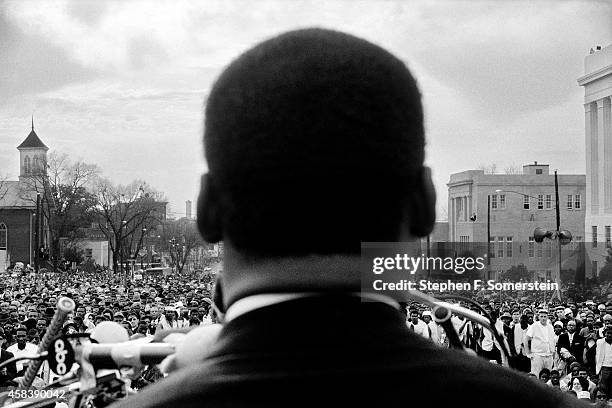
column 540, row 343
column 417, row 325
column 22, row 348
column 434, row 328
column 603, row 361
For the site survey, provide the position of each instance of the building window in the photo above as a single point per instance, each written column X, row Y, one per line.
column 540, row 202
column 525, row 202
column 26, row 165
column 459, row 207
column 502, row 201
column 548, row 249
column 594, row 268
column 494, row 202
column 594, row 229
column 548, row 201
column 3, row 235
column 548, row 274
column 577, row 203
column 538, row 171
column 539, row 252
column 608, row 237
column 570, row 201
column 500, row 247
column 531, row 247
column 492, row 247
column 509, row 247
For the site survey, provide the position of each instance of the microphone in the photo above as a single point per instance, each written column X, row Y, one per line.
column 129, row 353
column 65, row 305
column 109, row 332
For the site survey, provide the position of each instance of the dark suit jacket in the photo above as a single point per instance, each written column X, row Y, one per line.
column 11, row 369
column 576, row 348
column 339, row 351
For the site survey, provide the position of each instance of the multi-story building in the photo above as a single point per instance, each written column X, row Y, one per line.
column 505, row 209
column 597, row 83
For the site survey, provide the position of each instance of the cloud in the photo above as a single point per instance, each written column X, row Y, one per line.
column 31, row 64
column 510, row 60
column 88, row 12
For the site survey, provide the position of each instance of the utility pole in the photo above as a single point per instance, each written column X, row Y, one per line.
column 558, row 209
column 428, row 254
column 37, row 233
column 488, row 234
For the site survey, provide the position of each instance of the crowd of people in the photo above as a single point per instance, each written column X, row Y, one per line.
column 28, row 303
column 567, row 346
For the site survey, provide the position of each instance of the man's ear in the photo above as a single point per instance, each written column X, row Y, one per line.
column 209, row 211
column 422, row 205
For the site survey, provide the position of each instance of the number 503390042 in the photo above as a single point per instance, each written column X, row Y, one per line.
column 31, row 393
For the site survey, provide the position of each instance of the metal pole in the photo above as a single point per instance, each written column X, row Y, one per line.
column 558, row 214
column 36, row 233
column 488, row 233
column 428, row 254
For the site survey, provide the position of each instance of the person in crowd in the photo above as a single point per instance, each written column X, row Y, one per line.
column 555, row 381
column 8, row 372
column 544, row 375
column 170, row 319
column 587, row 328
column 417, row 325
column 572, row 342
column 434, row 328
column 580, row 386
column 603, row 360
column 22, row 348
column 521, row 362
column 540, row 343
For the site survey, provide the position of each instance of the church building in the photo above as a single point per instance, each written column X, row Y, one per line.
column 18, row 203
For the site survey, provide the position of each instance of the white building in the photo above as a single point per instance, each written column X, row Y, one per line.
column 597, row 83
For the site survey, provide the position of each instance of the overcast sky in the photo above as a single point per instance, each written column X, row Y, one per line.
column 122, row 84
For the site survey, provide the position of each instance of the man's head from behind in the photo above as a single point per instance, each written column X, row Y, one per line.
column 314, row 142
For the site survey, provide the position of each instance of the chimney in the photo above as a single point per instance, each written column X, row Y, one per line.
column 188, row 209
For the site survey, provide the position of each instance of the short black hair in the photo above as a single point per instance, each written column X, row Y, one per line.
column 313, row 140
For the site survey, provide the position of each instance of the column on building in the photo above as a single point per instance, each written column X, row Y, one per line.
column 592, row 154
column 452, row 219
column 606, row 127
column 601, row 154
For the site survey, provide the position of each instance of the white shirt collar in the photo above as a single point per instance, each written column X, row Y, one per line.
column 250, row 303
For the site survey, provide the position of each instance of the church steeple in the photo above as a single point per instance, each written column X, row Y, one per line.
column 32, row 155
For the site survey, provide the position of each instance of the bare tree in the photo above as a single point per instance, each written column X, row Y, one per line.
column 3, row 186
column 513, row 169
column 122, row 214
column 488, row 168
column 65, row 202
column 179, row 239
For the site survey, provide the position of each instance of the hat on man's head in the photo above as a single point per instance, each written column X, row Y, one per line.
column 607, row 328
column 558, row 324
column 506, row 314
column 568, row 311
